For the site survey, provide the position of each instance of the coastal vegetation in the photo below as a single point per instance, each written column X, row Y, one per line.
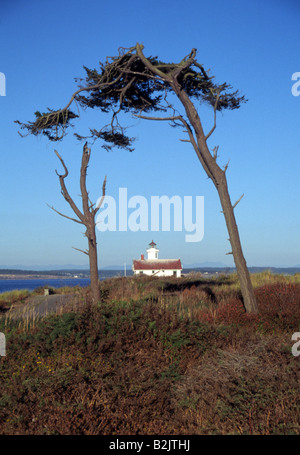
column 157, row 356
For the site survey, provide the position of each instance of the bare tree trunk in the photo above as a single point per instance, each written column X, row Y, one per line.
column 240, row 262
column 89, row 221
column 218, row 177
column 85, row 217
column 93, row 260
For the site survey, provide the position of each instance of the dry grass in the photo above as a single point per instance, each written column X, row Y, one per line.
column 239, row 390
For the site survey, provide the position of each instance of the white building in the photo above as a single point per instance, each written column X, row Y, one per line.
column 154, row 266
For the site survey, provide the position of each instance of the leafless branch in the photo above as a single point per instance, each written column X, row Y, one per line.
column 148, row 64
column 215, row 117
column 238, row 201
column 196, row 148
column 63, row 176
column 215, row 152
column 83, row 170
column 65, row 216
column 82, row 251
column 102, row 198
column 226, row 166
column 169, row 119
column 65, row 192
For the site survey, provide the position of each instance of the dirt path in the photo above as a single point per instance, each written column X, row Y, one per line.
column 41, row 305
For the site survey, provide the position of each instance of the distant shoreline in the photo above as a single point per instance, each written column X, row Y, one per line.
column 14, row 274
column 36, row 277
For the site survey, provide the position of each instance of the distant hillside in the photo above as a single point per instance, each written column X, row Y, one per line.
column 198, row 265
column 275, row 270
column 43, row 268
column 107, row 272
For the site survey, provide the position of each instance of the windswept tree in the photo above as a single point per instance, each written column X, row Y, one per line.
column 86, row 216
column 145, row 87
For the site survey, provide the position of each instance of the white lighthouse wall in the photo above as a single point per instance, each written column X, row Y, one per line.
column 152, row 253
column 171, row 272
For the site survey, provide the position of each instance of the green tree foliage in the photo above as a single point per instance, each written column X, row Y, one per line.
column 124, row 83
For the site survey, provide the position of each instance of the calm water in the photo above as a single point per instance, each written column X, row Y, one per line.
column 10, row 285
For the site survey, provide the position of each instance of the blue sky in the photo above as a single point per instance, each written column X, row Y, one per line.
column 254, row 46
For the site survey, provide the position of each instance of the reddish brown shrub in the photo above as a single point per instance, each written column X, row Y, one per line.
column 279, row 309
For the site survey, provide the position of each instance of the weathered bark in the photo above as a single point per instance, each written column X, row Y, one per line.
column 93, row 260
column 85, row 217
column 89, row 221
column 237, row 252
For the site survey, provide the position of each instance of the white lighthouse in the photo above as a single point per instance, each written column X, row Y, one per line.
column 154, row 266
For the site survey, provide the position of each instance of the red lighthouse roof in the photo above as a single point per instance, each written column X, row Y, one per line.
column 158, row 264
column 152, row 244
